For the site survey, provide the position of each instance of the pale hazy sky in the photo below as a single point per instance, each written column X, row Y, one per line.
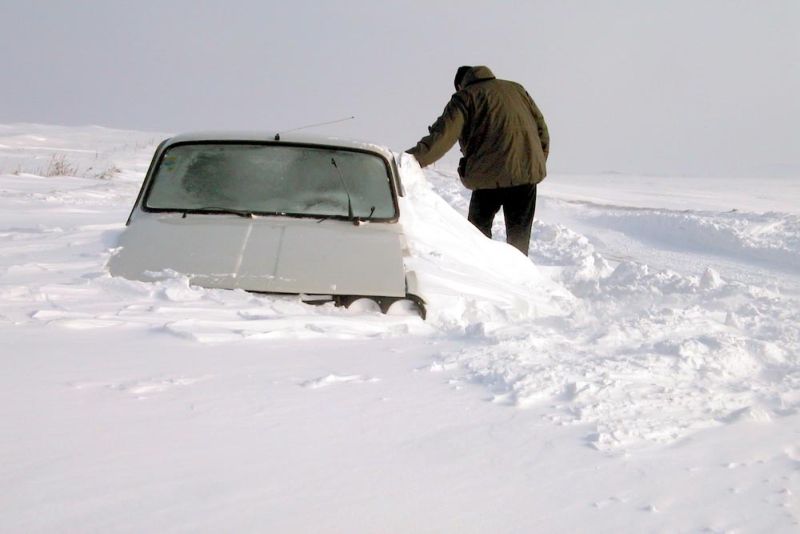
column 698, row 87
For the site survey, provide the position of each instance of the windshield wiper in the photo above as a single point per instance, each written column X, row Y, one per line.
column 371, row 213
column 217, row 209
column 350, row 215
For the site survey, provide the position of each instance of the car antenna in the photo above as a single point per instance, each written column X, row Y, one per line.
column 278, row 135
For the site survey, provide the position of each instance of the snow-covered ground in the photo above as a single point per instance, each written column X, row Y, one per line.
column 641, row 373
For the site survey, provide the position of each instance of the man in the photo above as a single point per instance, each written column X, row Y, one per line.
column 504, row 141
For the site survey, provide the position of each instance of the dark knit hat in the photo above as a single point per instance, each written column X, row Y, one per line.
column 460, row 73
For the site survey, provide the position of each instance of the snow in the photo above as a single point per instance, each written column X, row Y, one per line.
column 639, row 372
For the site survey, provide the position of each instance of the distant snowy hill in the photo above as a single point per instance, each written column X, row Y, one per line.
column 640, row 371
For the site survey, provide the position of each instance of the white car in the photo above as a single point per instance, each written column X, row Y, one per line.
column 265, row 213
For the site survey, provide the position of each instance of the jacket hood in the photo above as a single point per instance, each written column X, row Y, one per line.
column 477, row 74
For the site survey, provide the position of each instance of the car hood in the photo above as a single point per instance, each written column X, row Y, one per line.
column 268, row 254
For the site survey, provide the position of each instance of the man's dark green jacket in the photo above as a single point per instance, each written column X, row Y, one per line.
column 502, row 133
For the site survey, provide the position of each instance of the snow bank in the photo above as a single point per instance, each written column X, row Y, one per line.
column 471, row 283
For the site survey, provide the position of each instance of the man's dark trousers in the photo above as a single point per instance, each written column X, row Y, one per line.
column 518, row 203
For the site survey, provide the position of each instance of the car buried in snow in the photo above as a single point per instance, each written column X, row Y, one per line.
column 271, row 214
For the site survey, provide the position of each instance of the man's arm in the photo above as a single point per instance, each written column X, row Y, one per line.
column 443, row 133
column 544, row 135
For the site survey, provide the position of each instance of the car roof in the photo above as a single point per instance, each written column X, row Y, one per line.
column 270, row 137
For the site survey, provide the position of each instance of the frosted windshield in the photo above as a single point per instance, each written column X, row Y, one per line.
column 272, row 179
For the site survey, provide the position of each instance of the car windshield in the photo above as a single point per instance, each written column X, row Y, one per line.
column 272, row 179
